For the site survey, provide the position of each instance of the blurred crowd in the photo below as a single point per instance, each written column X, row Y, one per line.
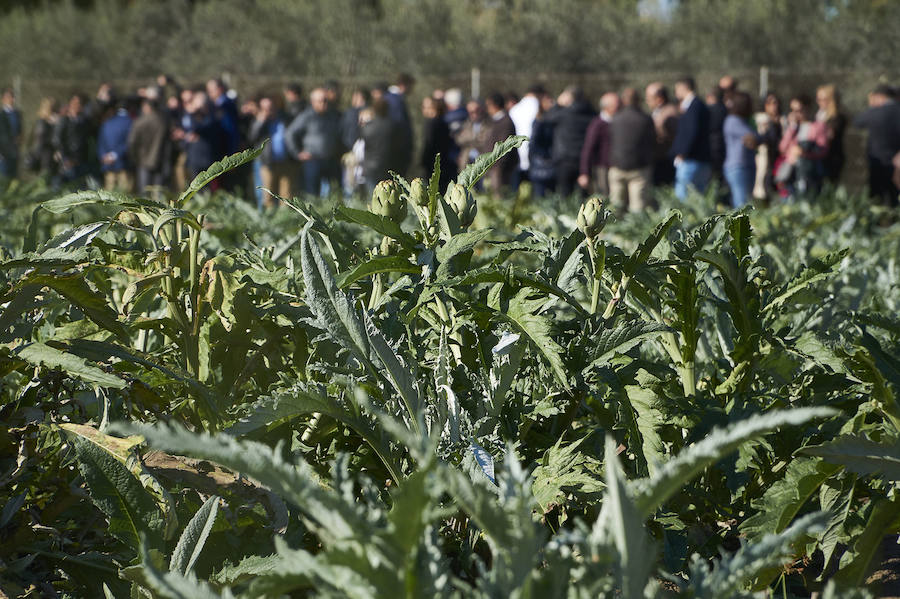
column 164, row 134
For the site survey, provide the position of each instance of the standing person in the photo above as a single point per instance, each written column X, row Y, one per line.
column 882, row 121
column 472, row 137
column 803, row 145
column 540, row 151
column 436, row 142
column 595, row 152
column 718, row 112
column 10, row 134
column 112, row 149
column 314, row 138
column 500, row 126
column 771, row 124
column 399, row 113
column 455, row 117
column 690, row 148
column 71, row 141
column 665, row 120
column 293, row 101
column 632, row 139
column 276, row 170
column 570, row 119
column 204, row 138
column 380, row 139
column 351, row 162
column 741, row 140
column 522, row 115
column 831, row 113
column 150, row 146
column 225, row 112
column 41, row 151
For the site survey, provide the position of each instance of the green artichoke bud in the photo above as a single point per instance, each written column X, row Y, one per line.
column 419, row 192
column 388, row 246
column 462, row 203
column 388, row 202
column 592, row 217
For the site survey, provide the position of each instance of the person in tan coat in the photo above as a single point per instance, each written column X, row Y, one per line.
column 665, row 120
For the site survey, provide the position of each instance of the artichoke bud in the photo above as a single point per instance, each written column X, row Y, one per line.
column 129, row 219
column 419, row 192
column 592, row 217
column 387, row 246
column 388, row 202
column 462, row 203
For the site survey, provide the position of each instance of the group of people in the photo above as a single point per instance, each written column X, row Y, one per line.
column 164, row 134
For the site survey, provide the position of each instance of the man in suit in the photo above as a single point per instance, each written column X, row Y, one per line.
column 10, row 134
column 690, row 149
column 882, row 120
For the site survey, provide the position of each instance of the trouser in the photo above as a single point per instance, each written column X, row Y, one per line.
column 630, row 188
column 881, row 183
column 600, row 180
column 318, row 173
column 691, row 173
column 278, row 177
column 9, row 166
column 566, row 177
column 740, row 180
column 117, row 180
column 149, row 178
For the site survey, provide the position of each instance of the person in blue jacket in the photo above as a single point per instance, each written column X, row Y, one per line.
column 690, row 149
column 112, row 148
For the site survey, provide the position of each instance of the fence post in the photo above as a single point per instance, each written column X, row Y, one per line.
column 763, row 81
column 476, row 82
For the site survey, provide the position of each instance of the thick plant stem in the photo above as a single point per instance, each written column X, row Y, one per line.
column 688, row 382
column 595, row 287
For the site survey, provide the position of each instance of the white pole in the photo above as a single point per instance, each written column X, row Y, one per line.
column 763, row 81
column 476, row 82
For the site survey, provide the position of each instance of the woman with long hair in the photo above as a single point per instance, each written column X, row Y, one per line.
column 831, row 114
column 41, row 152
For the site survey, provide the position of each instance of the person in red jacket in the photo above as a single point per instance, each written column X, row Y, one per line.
column 595, row 151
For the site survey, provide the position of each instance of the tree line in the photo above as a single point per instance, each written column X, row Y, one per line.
column 102, row 39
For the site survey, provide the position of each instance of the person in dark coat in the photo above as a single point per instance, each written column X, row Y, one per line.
column 718, row 112
column 149, row 146
column 436, row 141
column 41, row 151
column 380, row 139
column 632, row 142
column 570, row 118
column 831, row 113
column 882, row 121
column 10, row 134
column 690, row 149
column 72, row 141
column 541, row 172
column 398, row 112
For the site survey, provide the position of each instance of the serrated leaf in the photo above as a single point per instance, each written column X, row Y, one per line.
column 523, row 311
column 217, row 169
column 860, row 455
column 651, row 493
column 621, row 338
column 72, row 365
column 379, row 224
column 475, row 171
column 332, row 308
column 376, row 265
column 100, row 197
column 131, row 510
column 807, row 277
column 784, row 499
column 192, row 540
